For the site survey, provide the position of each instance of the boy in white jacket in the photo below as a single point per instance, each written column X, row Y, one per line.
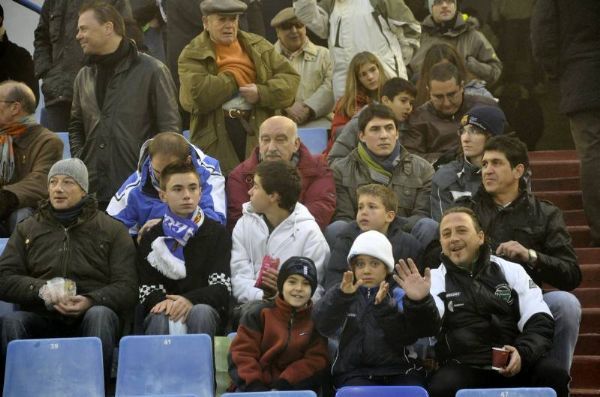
column 274, row 226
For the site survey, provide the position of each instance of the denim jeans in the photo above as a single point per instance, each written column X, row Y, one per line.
column 566, row 310
column 202, row 319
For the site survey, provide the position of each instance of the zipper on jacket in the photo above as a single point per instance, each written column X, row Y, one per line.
column 65, row 253
column 290, row 325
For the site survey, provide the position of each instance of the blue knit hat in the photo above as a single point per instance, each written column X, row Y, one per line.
column 489, row 119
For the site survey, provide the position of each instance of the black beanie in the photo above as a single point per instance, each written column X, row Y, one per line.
column 298, row 265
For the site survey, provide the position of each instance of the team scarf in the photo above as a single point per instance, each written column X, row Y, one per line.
column 166, row 255
column 380, row 170
column 7, row 153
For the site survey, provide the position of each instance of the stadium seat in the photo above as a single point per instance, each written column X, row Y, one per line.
column 381, row 391
column 231, row 335
column 508, row 392
column 186, row 134
column 69, row 367
column 173, row 365
column 3, row 242
column 315, row 139
column 294, row 393
column 67, row 147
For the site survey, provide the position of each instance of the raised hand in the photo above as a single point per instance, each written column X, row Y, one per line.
column 384, row 287
column 410, row 280
column 348, row 286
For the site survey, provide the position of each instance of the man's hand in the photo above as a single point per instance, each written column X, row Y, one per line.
column 162, row 307
column 348, row 286
column 147, row 226
column 73, row 306
column 269, row 283
column 514, row 364
column 513, row 250
column 298, row 112
column 179, row 309
column 384, row 287
column 250, row 93
column 414, row 285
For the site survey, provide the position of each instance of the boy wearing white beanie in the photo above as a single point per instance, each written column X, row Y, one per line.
column 373, row 334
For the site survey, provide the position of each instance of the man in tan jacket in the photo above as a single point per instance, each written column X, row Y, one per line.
column 27, row 151
column 231, row 81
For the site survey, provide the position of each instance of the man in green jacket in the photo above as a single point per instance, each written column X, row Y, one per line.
column 231, row 81
column 69, row 267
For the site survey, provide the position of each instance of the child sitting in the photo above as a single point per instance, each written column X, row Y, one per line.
column 277, row 345
column 373, row 334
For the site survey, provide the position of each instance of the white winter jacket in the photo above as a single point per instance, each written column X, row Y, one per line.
column 298, row 235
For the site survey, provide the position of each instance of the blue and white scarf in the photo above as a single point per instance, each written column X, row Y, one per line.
column 166, row 255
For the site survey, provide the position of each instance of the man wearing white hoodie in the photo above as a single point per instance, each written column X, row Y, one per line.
column 274, row 226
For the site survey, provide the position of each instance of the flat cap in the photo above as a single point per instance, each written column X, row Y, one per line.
column 223, row 7
column 287, row 14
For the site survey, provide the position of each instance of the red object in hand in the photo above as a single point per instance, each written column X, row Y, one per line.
column 267, row 263
column 499, row 358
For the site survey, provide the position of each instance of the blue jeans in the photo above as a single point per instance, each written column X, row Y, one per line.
column 202, row 319
column 566, row 310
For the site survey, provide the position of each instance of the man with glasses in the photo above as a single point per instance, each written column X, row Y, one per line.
column 447, row 25
column 231, row 81
column 314, row 99
column 462, row 177
column 434, row 124
column 27, row 151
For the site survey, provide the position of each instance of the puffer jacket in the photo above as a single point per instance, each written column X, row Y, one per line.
column 493, row 305
column 277, row 346
column 411, row 181
column 57, row 54
column 537, row 225
column 96, row 252
column 204, row 91
column 140, row 101
column 478, row 54
column 317, row 194
column 297, row 235
column 373, row 338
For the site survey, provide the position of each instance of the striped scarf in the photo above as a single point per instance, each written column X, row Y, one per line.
column 7, row 153
column 379, row 170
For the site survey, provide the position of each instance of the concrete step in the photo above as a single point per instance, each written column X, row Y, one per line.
column 588, row 255
column 575, row 218
column 581, row 235
column 550, row 184
column 585, row 372
column 590, row 322
column 584, row 392
column 555, row 169
column 590, row 276
column 541, row 155
column 588, row 344
column 565, row 200
column 588, row 297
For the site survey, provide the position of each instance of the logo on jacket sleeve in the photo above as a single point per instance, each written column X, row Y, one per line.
column 504, row 293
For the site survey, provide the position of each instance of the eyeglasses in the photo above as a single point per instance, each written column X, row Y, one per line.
column 289, row 25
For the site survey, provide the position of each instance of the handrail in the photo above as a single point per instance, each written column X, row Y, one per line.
column 30, row 4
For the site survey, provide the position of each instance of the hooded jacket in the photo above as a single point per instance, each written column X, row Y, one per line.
column 277, row 346
column 298, row 235
column 453, row 180
column 137, row 200
column 493, row 305
column 478, row 54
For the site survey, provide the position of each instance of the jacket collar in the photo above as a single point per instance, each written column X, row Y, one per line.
column 462, row 23
column 27, row 139
column 309, row 50
column 202, row 46
column 482, row 261
column 88, row 211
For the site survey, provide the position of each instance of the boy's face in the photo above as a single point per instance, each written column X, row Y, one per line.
column 369, row 269
column 401, row 105
column 296, row 291
column 372, row 214
column 259, row 199
column 182, row 193
column 380, row 136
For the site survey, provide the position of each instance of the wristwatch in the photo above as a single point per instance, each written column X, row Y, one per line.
column 532, row 256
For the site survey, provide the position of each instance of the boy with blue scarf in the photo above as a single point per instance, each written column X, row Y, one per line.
column 183, row 261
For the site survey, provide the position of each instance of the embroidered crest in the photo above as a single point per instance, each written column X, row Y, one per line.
column 503, row 292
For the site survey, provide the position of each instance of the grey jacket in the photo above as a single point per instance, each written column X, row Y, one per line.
column 411, row 181
column 140, row 101
column 57, row 54
column 456, row 179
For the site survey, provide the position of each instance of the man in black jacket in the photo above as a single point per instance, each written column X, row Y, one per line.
column 487, row 302
column 531, row 232
column 70, row 267
column 564, row 37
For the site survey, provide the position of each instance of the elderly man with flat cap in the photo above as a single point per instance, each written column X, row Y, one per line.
column 314, row 99
column 231, row 81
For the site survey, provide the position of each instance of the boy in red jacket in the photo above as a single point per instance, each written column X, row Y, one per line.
column 277, row 346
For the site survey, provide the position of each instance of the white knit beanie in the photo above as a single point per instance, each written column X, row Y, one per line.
column 375, row 244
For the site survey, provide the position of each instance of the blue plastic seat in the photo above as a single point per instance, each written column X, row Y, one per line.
column 186, row 134
column 169, row 365
column 315, row 139
column 64, row 136
column 231, row 336
column 508, row 392
column 382, row 391
column 294, row 393
column 3, row 242
column 67, row 367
